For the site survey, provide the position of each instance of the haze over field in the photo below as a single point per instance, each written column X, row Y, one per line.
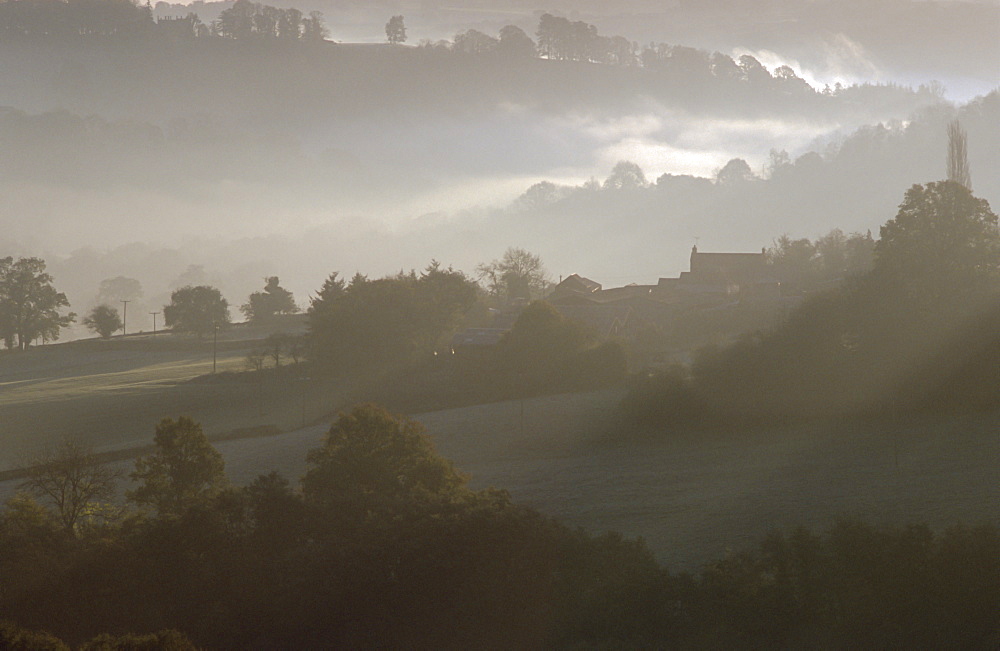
column 141, row 158
column 464, row 324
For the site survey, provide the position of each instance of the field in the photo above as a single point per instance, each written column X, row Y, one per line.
column 112, row 393
column 692, row 496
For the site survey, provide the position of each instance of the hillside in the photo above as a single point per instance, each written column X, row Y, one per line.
column 112, row 393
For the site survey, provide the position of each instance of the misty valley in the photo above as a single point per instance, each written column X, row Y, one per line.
column 332, row 324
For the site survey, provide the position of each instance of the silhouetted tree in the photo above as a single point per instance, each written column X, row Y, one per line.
column 518, row 274
column 958, row 155
column 734, row 172
column 29, row 304
column 198, row 310
column 183, row 471
column 391, row 321
column 273, row 301
column 236, row 22
column 73, row 480
column 314, row 29
column 103, row 320
column 514, row 43
column 538, row 196
column 395, row 30
column 472, row 41
column 290, row 24
column 626, row 175
column 943, row 242
column 117, row 289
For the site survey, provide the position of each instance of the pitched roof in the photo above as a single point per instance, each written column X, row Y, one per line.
column 577, row 283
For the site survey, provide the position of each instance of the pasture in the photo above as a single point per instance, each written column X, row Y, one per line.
column 693, row 496
column 111, row 393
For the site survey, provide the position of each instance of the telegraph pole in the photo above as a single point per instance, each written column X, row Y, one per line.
column 154, row 321
column 215, row 340
column 124, row 315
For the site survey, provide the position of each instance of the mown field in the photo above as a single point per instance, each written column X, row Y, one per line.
column 112, row 393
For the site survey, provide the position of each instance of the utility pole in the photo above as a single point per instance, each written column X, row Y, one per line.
column 124, row 315
column 154, row 321
column 215, row 341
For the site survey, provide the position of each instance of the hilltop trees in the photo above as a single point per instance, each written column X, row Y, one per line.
column 626, row 175
column 198, row 310
column 103, row 320
column 395, row 30
column 29, row 303
column 515, row 43
column 62, row 19
column 943, row 242
column 518, row 274
column 273, row 301
column 246, row 19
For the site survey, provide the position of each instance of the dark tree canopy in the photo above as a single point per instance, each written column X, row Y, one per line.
column 395, row 30
column 391, row 321
column 29, row 303
column 184, row 471
column 372, row 454
column 273, row 301
column 515, row 43
column 943, row 241
column 198, row 310
column 103, row 320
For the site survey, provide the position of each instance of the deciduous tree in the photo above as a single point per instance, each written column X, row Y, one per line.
column 198, row 310
column 391, row 321
column 943, row 242
column 370, row 454
column 183, row 471
column 73, row 480
column 103, row 320
column 626, row 175
column 395, row 30
column 518, row 274
column 273, row 301
column 29, row 303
